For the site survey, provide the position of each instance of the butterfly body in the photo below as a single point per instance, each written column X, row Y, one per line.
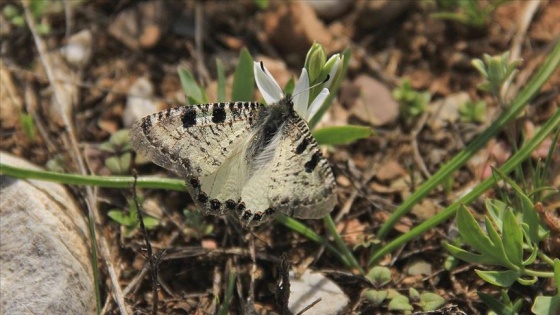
column 243, row 159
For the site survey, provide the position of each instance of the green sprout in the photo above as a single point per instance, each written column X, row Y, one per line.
column 497, row 71
column 118, row 146
column 473, row 111
column 473, row 13
column 411, row 102
column 129, row 219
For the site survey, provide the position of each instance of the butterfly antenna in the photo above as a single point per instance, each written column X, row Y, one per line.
column 314, row 85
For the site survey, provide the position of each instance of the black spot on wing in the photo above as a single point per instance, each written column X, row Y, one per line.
column 147, row 124
column 215, row 204
column 311, row 164
column 302, row 145
column 202, row 197
column 219, row 114
column 230, row 204
column 189, row 117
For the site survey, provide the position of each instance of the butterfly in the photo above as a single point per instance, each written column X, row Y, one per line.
column 241, row 159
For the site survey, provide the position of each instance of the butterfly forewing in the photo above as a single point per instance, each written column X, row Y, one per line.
column 198, row 142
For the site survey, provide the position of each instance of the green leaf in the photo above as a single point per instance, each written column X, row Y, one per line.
column 473, row 235
column 262, row 4
column 400, row 303
column 431, row 301
column 221, row 81
column 243, row 79
column 546, row 305
column 376, row 297
column 496, row 210
column 413, row 294
column 113, row 163
column 530, row 215
column 379, row 276
column 468, row 256
column 150, row 222
column 195, row 94
column 341, row 134
column 513, row 239
column 499, row 278
column 557, row 274
column 495, row 305
column 28, row 125
column 121, row 218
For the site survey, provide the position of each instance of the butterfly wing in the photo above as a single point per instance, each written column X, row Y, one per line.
column 297, row 181
column 203, row 144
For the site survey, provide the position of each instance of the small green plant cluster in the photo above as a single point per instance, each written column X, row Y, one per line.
column 196, row 225
column 37, row 7
column 128, row 219
column 510, row 241
column 381, row 276
column 497, row 71
column 412, row 103
column 118, row 146
column 473, row 112
column 473, row 13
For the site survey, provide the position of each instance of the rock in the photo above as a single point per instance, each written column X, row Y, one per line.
column 311, row 286
column 377, row 13
column 141, row 26
column 77, row 51
column 44, row 248
column 373, row 102
column 329, row 9
column 447, row 110
column 293, row 28
column 139, row 102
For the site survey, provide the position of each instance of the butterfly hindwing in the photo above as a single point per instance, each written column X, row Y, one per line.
column 297, row 180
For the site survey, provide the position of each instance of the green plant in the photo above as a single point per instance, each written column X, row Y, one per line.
column 196, row 225
column 497, row 71
column 118, row 146
column 381, row 276
column 129, row 219
column 37, row 7
column 473, row 111
column 510, row 113
column 411, row 102
column 472, row 13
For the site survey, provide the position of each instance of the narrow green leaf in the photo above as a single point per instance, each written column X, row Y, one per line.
column 530, row 215
column 195, row 94
column 494, row 304
column 499, row 278
column 471, row 232
column 468, row 256
column 496, row 209
column 557, row 275
column 498, row 251
column 243, row 80
column 341, row 134
column 221, row 80
column 513, row 239
column 120, row 217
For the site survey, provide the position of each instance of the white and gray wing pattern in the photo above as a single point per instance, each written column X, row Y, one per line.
column 196, row 142
column 295, row 180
